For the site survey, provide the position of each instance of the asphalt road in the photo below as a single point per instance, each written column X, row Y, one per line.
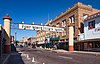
column 48, row 57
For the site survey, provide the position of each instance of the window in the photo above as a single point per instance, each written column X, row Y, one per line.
column 64, row 23
column 85, row 16
column 57, row 34
column 82, row 28
column 57, row 25
column 63, row 33
column 91, row 24
column 72, row 19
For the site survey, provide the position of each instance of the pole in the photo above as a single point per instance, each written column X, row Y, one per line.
column 71, row 42
column 15, row 38
column 0, row 46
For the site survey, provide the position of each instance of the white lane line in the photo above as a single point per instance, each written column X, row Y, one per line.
column 65, row 57
column 20, row 52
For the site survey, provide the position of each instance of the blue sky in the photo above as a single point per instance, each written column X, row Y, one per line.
column 36, row 11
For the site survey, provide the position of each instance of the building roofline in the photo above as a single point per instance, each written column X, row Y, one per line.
column 77, row 5
column 93, row 16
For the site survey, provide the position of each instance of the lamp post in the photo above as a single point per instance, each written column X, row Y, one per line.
column 15, row 38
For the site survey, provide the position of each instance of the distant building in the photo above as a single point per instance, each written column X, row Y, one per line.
column 24, row 39
column 32, row 40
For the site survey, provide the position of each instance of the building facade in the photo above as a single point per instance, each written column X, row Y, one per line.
column 75, row 15
column 90, row 39
column 32, row 40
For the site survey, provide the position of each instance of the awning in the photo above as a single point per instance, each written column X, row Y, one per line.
column 56, row 38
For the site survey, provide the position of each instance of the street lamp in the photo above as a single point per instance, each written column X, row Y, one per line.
column 15, row 38
column 33, row 23
column 41, row 24
column 22, row 22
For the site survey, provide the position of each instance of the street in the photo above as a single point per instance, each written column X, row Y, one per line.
column 42, row 56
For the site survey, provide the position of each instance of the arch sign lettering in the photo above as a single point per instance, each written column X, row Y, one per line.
column 40, row 27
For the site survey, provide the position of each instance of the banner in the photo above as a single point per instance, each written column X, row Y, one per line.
column 39, row 27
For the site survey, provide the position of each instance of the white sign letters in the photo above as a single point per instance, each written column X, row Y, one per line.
column 39, row 27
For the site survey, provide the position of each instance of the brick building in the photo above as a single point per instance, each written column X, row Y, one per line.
column 76, row 15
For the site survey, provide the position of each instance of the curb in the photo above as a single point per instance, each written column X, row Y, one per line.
column 90, row 53
column 79, row 52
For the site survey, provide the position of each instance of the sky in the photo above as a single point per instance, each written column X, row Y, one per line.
column 36, row 11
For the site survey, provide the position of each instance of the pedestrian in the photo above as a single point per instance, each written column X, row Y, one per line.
column 55, row 46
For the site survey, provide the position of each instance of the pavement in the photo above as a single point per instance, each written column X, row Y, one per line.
column 65, row 51
column 4, row 58
column 80, row 52
column 52, row 56
column 17, row 56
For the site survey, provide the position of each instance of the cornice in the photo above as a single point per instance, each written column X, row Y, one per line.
column 76, row 6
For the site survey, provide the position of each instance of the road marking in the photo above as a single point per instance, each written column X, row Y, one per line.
column 24, row 55
column 33, row 59
column 65, row 57
column 20, row 52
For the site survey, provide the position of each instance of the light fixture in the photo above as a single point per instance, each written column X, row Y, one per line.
column 23, row 22
column 33, row 23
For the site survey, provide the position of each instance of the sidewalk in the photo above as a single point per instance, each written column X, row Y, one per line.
column 4, row 58
column 81, row 52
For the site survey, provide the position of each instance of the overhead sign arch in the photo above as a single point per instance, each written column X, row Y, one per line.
column 39, row 27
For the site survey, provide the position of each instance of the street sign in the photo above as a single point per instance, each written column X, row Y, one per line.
column 40, row 27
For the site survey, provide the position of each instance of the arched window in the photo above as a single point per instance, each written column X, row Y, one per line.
column 72, row 19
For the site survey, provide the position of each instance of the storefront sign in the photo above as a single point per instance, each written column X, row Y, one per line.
column 39, row 27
